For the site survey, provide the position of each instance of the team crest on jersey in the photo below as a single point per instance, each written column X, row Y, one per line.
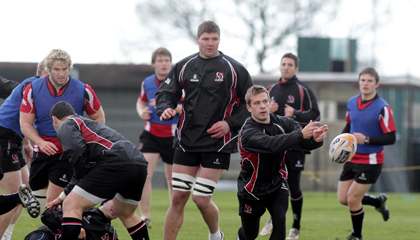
column 219, row 77
column 291, row 99
column 248, row 209
column 168, row 80
column 194, row 79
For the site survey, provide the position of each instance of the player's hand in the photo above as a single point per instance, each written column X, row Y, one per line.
column 219, row 129
column 274, row 106
column 308, row 130
column 320, row 134
column 168, row 114
column 54, row 204
column 145, row 113
column 360, row 137
column 48, row 148
column 82, row 234
column 288, row 111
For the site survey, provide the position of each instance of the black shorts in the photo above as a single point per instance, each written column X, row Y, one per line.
column 44, row 168
column 214, row 160
column 361, row 173
column 11, row 151
column 149, row 143
column 104, row 182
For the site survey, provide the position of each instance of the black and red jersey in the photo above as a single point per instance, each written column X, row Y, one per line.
column 263, row 147
column 86, row 142
column 214, row 90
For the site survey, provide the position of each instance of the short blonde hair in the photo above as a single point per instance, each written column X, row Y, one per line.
column 58, row 55
column 254, row 90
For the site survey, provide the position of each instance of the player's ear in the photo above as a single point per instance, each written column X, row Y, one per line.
column 248, row 107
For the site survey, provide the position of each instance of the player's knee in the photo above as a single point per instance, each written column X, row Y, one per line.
column 203, row 190
column 342, row 201
column 182, row 182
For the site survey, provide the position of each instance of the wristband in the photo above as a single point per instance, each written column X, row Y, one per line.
column 62, row 196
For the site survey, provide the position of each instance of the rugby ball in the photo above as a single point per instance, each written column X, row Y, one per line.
column 342, row 148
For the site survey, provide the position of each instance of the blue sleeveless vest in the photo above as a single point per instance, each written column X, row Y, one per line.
column 9, row 110
column 366, row 121
column 150, row 87
column 74, row 94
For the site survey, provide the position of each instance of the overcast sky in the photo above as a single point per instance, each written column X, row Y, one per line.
column 94, row 31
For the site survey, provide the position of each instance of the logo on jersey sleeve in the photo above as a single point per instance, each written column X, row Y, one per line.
column 168, row 80
column 219, row 77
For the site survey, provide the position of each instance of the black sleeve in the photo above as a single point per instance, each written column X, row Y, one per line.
column 236, row 120
column 169, row 93
column 6, row 87
column 386, row 139
column 254, row 140
column 346, row 128
column 311, row 111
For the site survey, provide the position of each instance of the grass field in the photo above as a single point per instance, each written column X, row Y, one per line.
column 323, row 219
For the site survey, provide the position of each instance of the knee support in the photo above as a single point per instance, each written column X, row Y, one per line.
column 182, row 182
column 204, row 187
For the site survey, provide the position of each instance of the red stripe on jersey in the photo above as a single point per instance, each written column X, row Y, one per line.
column 301, row 98
column 160, row 130
column 28, row 104
column 92, row 104
column 233, row 100
column 143, row 95
column 253, row 158
column 387, row 121
column 53, row 140
column 90, row 136
column 372, row 158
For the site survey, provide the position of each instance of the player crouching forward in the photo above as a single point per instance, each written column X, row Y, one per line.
column 263, row 141
column 106, row 166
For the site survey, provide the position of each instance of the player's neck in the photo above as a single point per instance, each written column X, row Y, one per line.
column 367, row 97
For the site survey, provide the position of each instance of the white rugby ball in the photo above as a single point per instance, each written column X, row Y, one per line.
column 342, row 148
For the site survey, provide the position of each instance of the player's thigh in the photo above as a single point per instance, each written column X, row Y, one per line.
column 123, row 209
column 11, row 182
column 343, row 189
column 152, row 159
column 74, row 205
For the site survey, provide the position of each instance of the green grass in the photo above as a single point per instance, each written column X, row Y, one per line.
column 323, row 218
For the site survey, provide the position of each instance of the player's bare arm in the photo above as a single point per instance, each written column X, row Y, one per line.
column 27, row 127
column 27, row 149
column 219, row 129
column 143, row 109
column 99, row 116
